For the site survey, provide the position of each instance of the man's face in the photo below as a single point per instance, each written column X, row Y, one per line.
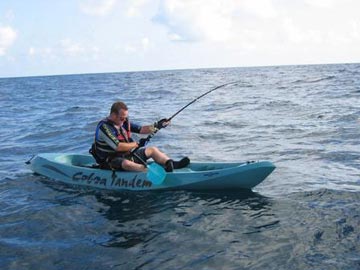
column 121, row 117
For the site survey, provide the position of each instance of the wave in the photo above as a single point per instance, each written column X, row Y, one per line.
column 315, row 80
column 161, row 92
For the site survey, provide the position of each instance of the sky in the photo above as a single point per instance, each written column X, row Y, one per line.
column 44, row 37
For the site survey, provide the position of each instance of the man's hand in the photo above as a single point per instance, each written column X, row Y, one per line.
column 161, row 123
column 142, row 142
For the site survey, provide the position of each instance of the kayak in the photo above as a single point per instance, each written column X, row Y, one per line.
column 80, row 170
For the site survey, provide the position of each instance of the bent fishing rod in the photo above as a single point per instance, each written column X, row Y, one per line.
column 187, row 105
column 196, row 99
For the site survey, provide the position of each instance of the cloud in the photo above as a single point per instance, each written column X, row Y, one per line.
column 65, row 49
column 7, row 38
column 264, row 9
column 44, row 53
column 32, row 51
column 71, row 48
column 145, row 42
column 263, row 26
column 211, row 20
column 97, row 7
column 355, row 29
column 135, row 6
column 321, row 3
column 140, row 46
column 194, row 20
column 130, row 49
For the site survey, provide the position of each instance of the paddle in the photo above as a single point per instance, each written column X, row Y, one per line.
column 155, row 173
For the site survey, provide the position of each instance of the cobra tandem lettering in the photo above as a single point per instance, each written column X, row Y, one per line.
column 115, row 181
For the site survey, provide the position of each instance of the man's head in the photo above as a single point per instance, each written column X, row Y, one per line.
column 119, row 112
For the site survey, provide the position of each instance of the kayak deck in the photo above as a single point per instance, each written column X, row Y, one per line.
column 88, row 161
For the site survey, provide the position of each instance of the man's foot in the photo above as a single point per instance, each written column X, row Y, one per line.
column 181, row 163
column 169, row 165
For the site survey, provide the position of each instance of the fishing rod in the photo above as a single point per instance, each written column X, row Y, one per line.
column 196, row 99
column 148, row 138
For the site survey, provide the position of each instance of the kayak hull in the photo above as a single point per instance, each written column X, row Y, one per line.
column 77, row 169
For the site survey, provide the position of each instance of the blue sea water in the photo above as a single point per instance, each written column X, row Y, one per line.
column 305, row 215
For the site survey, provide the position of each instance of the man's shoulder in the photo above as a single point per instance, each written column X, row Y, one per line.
column 105, row 121
column 135, row 127
column 105, row 124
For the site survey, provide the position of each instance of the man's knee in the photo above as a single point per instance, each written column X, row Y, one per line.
column 151, row 150
column 127, row 164
column 116, row 163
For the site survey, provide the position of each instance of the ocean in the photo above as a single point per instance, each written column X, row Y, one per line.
column 305, row 215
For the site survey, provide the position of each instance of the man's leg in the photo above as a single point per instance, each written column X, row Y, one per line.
column 126, row 165
column 164, row 160
column 156, row 154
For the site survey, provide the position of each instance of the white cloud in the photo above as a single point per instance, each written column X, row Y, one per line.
column 130, row 49
column 7, row 38
column 71, row 48
column 94, row 52
column 32, row 51
column 140, row 46
column 134, row 10
column 355, row 29
column 145, row 42
column 44, row 53
column 321, row 3
column 74, row 49
column 65, row 49
column 262, row 26
column 195, row 20
column 175, row 37
column 261, row 8
column 97, row 7
column 212, row 20
column 293, row 33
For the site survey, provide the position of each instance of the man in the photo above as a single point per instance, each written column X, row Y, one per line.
column 115, row 149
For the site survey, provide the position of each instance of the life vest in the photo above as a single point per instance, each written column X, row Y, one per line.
column 125, row 133
column 101, row 151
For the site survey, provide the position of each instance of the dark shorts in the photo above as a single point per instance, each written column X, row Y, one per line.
column 116, row 163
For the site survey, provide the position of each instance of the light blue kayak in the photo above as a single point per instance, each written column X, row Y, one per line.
column 77, row 169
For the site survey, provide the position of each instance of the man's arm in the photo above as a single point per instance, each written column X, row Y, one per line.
column 109, row 138
column 154, row 127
